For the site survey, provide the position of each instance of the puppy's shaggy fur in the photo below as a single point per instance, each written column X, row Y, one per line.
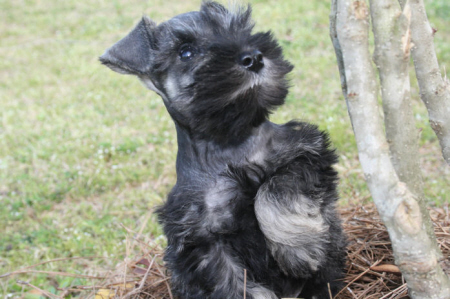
column 250, row 194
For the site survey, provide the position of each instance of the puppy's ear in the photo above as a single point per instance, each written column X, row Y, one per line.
column 132, row 54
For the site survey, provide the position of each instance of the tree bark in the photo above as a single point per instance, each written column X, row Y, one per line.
column 337, row 46
column 398, row 207
column 391, row 29
column 434, row 90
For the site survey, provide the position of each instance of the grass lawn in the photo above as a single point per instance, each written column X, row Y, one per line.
column 84, row 150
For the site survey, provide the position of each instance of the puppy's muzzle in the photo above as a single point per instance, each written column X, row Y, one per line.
column 252, row 61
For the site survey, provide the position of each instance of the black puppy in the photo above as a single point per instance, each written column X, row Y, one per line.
column 250, row 194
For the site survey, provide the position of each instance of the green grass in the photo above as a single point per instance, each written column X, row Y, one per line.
column 83, row 149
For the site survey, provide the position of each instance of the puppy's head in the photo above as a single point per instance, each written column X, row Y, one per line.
column 218, row 80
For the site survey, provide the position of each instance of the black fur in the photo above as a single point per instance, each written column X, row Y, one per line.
column 250, row 194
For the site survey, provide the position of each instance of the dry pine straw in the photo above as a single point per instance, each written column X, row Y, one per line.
column 370, row 271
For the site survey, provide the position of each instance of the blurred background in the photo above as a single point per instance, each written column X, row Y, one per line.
column 84, row 150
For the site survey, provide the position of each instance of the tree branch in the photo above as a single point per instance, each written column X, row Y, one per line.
column 392, row 45
column 413, row 247
column 434, row 90
column 391, row 28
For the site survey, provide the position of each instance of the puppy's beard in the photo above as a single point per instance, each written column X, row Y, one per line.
column 264, row 77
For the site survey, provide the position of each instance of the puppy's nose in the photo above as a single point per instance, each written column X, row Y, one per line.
column 252, row 61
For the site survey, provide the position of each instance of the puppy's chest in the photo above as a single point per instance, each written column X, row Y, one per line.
column 225, row 182
column 226, row 205
column 229, row 195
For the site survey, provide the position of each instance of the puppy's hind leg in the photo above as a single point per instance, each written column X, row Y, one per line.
column 228, row 273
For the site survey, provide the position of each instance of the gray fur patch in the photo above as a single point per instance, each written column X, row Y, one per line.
column 149, row 84
column 217, row 199
column 295, row 235
column 232, row 274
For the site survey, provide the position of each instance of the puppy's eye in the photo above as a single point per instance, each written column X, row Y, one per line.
column 187, row 52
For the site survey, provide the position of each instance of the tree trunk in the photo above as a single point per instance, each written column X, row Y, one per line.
column 414, row 249
column 392, row 34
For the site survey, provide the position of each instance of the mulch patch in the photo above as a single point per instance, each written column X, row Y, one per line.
column 370, row 271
